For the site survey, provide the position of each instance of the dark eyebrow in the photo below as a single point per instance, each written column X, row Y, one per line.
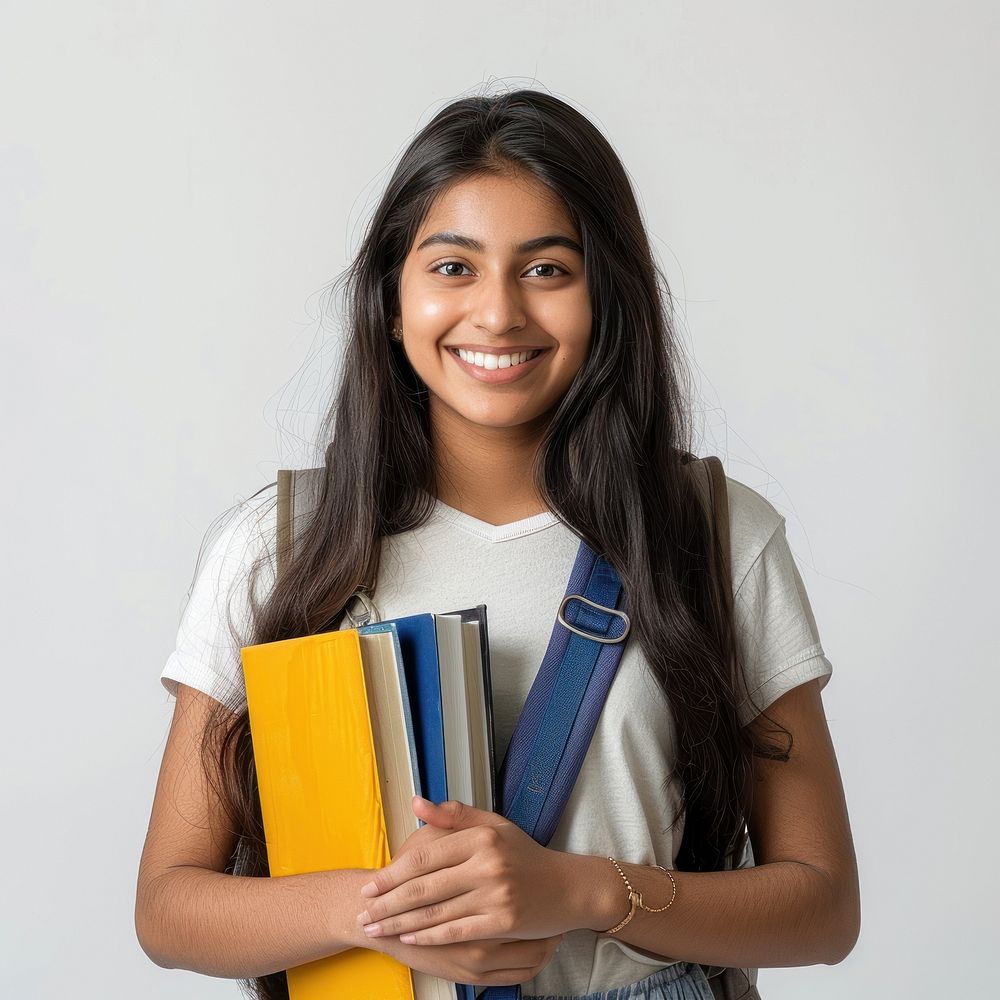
column 449, row 238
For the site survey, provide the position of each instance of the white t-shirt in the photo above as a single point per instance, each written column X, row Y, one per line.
column 520, row 572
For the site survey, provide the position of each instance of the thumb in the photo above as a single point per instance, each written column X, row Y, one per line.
column 453, row 815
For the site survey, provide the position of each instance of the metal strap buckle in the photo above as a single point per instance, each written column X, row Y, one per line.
column 587, row 635
column 370, row 614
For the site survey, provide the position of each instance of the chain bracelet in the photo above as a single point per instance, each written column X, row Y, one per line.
column 635, row 897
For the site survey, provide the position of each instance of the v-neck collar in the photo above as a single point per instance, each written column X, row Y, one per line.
column 494, row 532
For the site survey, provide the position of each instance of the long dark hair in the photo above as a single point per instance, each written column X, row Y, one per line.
column 611, row 464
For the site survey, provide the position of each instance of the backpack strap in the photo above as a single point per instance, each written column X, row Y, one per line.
column 563, row 705
column 726, row 983
column 710, row 479
column 298, row 496
column 720, row 507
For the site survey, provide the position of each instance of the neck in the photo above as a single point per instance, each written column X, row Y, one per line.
column 486, row 471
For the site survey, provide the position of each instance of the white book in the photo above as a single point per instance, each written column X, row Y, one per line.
column 455, row 707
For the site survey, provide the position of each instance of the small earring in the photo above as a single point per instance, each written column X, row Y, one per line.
column 397, row 334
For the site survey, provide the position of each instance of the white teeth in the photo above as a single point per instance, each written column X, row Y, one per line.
column 491, row 362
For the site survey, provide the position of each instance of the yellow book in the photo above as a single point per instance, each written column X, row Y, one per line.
column 320, row 794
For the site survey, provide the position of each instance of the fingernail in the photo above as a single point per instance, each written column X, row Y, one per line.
column 372, row 930
column 408, row 938
column 364, row 918
column 369, row 890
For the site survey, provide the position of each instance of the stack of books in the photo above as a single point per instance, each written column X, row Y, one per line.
column 347, row 726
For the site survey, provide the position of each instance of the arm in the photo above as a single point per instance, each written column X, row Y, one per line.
column 190, row 915
column 800, row 906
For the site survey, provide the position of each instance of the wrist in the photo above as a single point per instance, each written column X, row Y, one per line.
column 597, row 897
column 344, row 891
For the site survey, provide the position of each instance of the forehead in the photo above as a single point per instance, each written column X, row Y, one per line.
column 495, row 208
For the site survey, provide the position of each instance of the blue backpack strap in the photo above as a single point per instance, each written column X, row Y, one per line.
column 560, row 714
column 557, row 723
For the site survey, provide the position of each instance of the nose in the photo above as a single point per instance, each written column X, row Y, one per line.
column 496, row 306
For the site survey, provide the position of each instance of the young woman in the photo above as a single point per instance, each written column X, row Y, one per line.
column 512, row 385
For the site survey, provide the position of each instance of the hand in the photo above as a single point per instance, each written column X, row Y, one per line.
column 478, row 876
column 496, row 962
column 490, row 962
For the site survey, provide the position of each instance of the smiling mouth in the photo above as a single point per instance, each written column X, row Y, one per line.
column 492, row 362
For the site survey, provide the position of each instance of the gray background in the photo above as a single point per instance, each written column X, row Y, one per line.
column 179, row 181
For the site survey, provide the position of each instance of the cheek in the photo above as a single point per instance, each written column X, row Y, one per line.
column 573, row 328
column 431, row 310
column 574, row 351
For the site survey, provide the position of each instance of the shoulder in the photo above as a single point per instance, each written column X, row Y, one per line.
column 753, row 522
column 234, row 564
column 247, row 527
column 240, row 538
column 776, row 629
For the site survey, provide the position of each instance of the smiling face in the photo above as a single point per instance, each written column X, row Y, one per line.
column 495, row 313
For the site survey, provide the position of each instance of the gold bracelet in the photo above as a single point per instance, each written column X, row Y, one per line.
column 635, row 898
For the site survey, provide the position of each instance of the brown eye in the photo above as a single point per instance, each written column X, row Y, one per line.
column 448, row 263
column 556, row 266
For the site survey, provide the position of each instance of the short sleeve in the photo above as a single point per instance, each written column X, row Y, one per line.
column 776, row 630
column 216, row 619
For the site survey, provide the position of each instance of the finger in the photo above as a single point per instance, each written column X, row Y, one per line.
column 423, row 859
column 518, row 953
column 422, row 917
column 506, row 977
column 454, row 815
column 454, row 931
column 489, row 957
column 421, row 891
column 424, row 834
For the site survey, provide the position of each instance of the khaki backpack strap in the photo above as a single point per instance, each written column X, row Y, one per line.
column 283, row 552
column 720, row 510
column 298, row 495
column 710, row 479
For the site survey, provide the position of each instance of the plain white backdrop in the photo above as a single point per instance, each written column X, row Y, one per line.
column 179, row 182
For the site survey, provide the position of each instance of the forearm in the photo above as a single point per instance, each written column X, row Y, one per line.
column 775, row 915
column 236, row 927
